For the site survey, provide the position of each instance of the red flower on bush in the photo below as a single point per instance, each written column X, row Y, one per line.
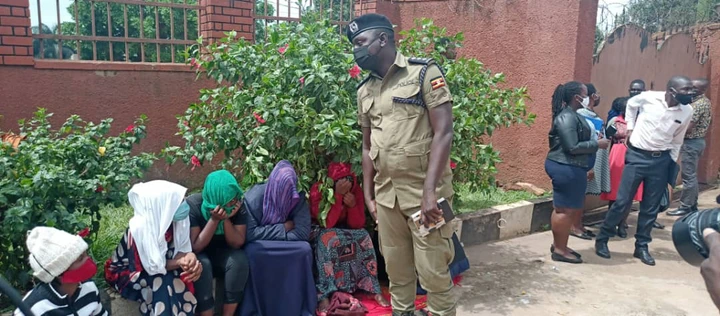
column 99, row 188
column 453, row 165
column 282, row 50
column 302, row 81
column 194, row 63
column 130, row 129
column 354, row 72
column 259, row 118
column 195, row 161
column 83, row 233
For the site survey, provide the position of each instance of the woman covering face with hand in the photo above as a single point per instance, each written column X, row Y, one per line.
column 218, row 225
column 159, row 275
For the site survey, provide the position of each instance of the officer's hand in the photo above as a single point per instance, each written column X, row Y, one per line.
column 429, row 209
column 591, row 175
column 710, row 268
column 372, row 208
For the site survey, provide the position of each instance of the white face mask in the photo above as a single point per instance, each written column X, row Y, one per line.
column 585, row 102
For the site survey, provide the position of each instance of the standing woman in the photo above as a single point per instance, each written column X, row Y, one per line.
column 617, row 132
column 598, row 178
column 567, row 163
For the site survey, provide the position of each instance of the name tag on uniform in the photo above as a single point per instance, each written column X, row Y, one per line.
column 677, row 121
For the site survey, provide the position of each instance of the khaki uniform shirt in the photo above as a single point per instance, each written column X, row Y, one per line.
column 401, row 133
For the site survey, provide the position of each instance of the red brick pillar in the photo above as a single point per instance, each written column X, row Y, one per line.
column 219, row 16
column 15, row 36
column 387, row 8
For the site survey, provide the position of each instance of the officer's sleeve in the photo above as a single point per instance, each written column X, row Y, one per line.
column 435, row 89
column 363, row 118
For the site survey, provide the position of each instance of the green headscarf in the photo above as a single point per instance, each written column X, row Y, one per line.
column 220, row 188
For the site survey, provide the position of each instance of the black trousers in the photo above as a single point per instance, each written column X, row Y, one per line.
column 232, row 265
column 651, row 169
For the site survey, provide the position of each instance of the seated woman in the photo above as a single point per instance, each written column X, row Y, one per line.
column 59, row 260
column 158, row 275
column 217, row 231
column 281, row 281
column 344, row 253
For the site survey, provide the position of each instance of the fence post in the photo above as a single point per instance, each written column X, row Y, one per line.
column 16, row 43
column 219, row 16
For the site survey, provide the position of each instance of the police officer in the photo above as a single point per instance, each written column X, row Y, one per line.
column 405, row 111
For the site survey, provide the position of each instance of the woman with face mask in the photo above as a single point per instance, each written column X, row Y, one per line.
column 568, row 161
column 217, row 229
column 154, row 263
column 598, row 177
column 60, row 262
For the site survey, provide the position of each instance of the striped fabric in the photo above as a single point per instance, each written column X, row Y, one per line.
column 44, row 300
column 281, row 194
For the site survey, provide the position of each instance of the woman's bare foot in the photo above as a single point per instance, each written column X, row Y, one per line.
column 381, row 300
column 323, row 305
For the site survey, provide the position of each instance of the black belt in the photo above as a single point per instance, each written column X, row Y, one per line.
column 653, row 154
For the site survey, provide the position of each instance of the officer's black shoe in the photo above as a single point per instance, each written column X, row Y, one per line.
column 680, row 212
column 601, row 249
column 644, row 255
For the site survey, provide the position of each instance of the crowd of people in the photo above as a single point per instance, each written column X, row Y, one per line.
column 632, row 156
column 274, row 250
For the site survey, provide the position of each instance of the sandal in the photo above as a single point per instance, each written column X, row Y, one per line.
column 590, row 233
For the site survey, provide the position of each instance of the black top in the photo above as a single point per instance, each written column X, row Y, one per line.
column 45, row 300
column 198, row 220
column 571, row 139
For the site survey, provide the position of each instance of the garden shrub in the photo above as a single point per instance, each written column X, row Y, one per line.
column 293, row 96
column 61, row 178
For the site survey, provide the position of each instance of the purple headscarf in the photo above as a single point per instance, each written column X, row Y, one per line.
column 281, row 194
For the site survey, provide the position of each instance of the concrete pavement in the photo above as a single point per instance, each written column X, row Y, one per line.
column 517, row 277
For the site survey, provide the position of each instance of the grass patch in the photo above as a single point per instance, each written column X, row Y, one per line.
column 469, row 201
column 113, row 225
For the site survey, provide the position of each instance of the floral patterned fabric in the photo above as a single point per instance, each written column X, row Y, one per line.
column 702, row 115
column 345, row 261
column 158, row 294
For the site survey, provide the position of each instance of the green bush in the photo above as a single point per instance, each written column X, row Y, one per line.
column 293, row 97
column 61, row 178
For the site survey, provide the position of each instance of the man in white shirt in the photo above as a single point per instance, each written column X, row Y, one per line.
column 654, row 140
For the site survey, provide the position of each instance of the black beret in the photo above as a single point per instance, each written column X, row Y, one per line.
column 366, row 22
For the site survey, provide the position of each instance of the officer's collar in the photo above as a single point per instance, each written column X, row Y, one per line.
column 400, row 62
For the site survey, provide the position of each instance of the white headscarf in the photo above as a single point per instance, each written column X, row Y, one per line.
column 155, row 203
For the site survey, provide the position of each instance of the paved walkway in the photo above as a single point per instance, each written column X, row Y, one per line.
column 517, row 277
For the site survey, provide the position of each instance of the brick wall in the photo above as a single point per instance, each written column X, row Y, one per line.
column 15, row 36
column 219, row 16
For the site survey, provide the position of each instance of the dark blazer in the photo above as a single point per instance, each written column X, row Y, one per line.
column 571, row 140
column 300, row 215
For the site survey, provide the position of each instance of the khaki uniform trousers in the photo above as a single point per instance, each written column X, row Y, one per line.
column 406, row 252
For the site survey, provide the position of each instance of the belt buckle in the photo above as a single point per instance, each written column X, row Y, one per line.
column 656, row 154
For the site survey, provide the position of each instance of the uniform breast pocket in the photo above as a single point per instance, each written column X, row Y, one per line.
column 366, row 106
column 405, row 103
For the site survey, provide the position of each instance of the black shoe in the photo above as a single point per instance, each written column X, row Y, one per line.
column 584, row 235
column 573, row 252
column 644, row 255
column 622, row 231
column 658, row 225
column 590, row 233
column 601, row 249
column 561, row 258
column 679, row 212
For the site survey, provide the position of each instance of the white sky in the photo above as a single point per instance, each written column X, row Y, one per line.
column 615, row 7
column 49, row 10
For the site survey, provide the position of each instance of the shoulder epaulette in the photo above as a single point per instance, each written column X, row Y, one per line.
column 426, row 62
column 364, row 81
column 420, row 61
